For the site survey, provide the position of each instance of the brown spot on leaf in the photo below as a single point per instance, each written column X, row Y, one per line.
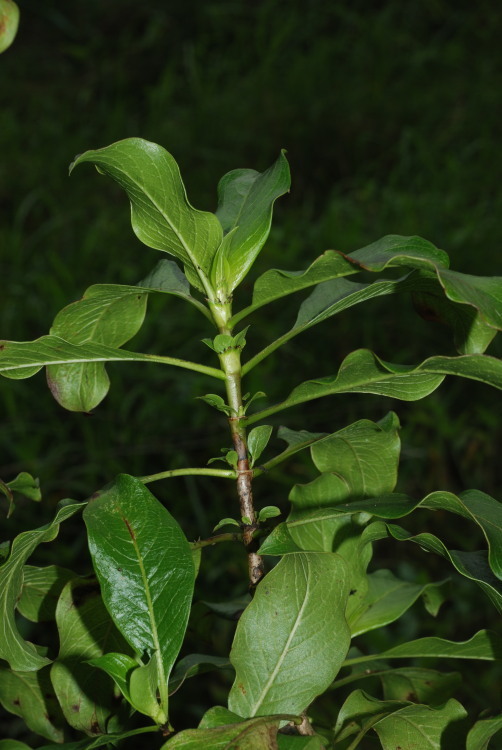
column 411, row 697
column 75, row 708
column 242, row 688
column 130, row 529
column 16, row 702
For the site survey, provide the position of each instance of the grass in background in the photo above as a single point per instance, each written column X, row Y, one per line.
column 390, row 113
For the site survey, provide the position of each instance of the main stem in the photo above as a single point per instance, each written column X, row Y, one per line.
column 230, row 361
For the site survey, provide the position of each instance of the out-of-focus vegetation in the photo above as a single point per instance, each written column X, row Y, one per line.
column 391, row 114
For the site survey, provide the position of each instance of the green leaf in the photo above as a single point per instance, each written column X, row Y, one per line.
column 245, row 204
column 419, row 685
column 9, row 22
column 119, row 667
column 282, row 663
column 168, row 278
column 129, row 533
column 41, row 590
column 387, row 252
column 106, row 314
column 107, row 739
column 473, row 565
column 386, row 600
column 13, row 745
column 401, row 724
column 143, row 683
column 30, row 695
column 226, row 522
column 360, row 460
column 258, row 440
column 481, row 733
column 22, row 359
column 363, row 372
column 269, row 511
column 483, row 645
column 423, row 726
column 473, row 505
column 254, row 734
column 161, row 215
column 217, row 402
column 218, row 716
column 195, row 664
column 25, row 484
column 85, row 632
column 21, row 655
column 290, row 742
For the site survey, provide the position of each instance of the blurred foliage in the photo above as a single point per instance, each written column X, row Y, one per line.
column 390, row 113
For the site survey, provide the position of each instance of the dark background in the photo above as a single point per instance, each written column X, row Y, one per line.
column 390, row 112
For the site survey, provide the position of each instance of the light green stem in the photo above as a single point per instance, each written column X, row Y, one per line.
column 226, row 473
column 175, row 362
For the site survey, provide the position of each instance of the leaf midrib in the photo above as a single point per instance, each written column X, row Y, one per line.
column 292, row 633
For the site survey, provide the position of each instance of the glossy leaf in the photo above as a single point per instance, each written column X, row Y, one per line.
column 363, row 372
column 386, row 600
column 482, row 732
column 30, row 695
column 161, row 215
column 245, row 204
column 145, row 567
column 21, row 655
column 282, row 661
column 85, row 632
column 254, row 734
column 390, row 251
column 258, row 440
column 41, row 590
